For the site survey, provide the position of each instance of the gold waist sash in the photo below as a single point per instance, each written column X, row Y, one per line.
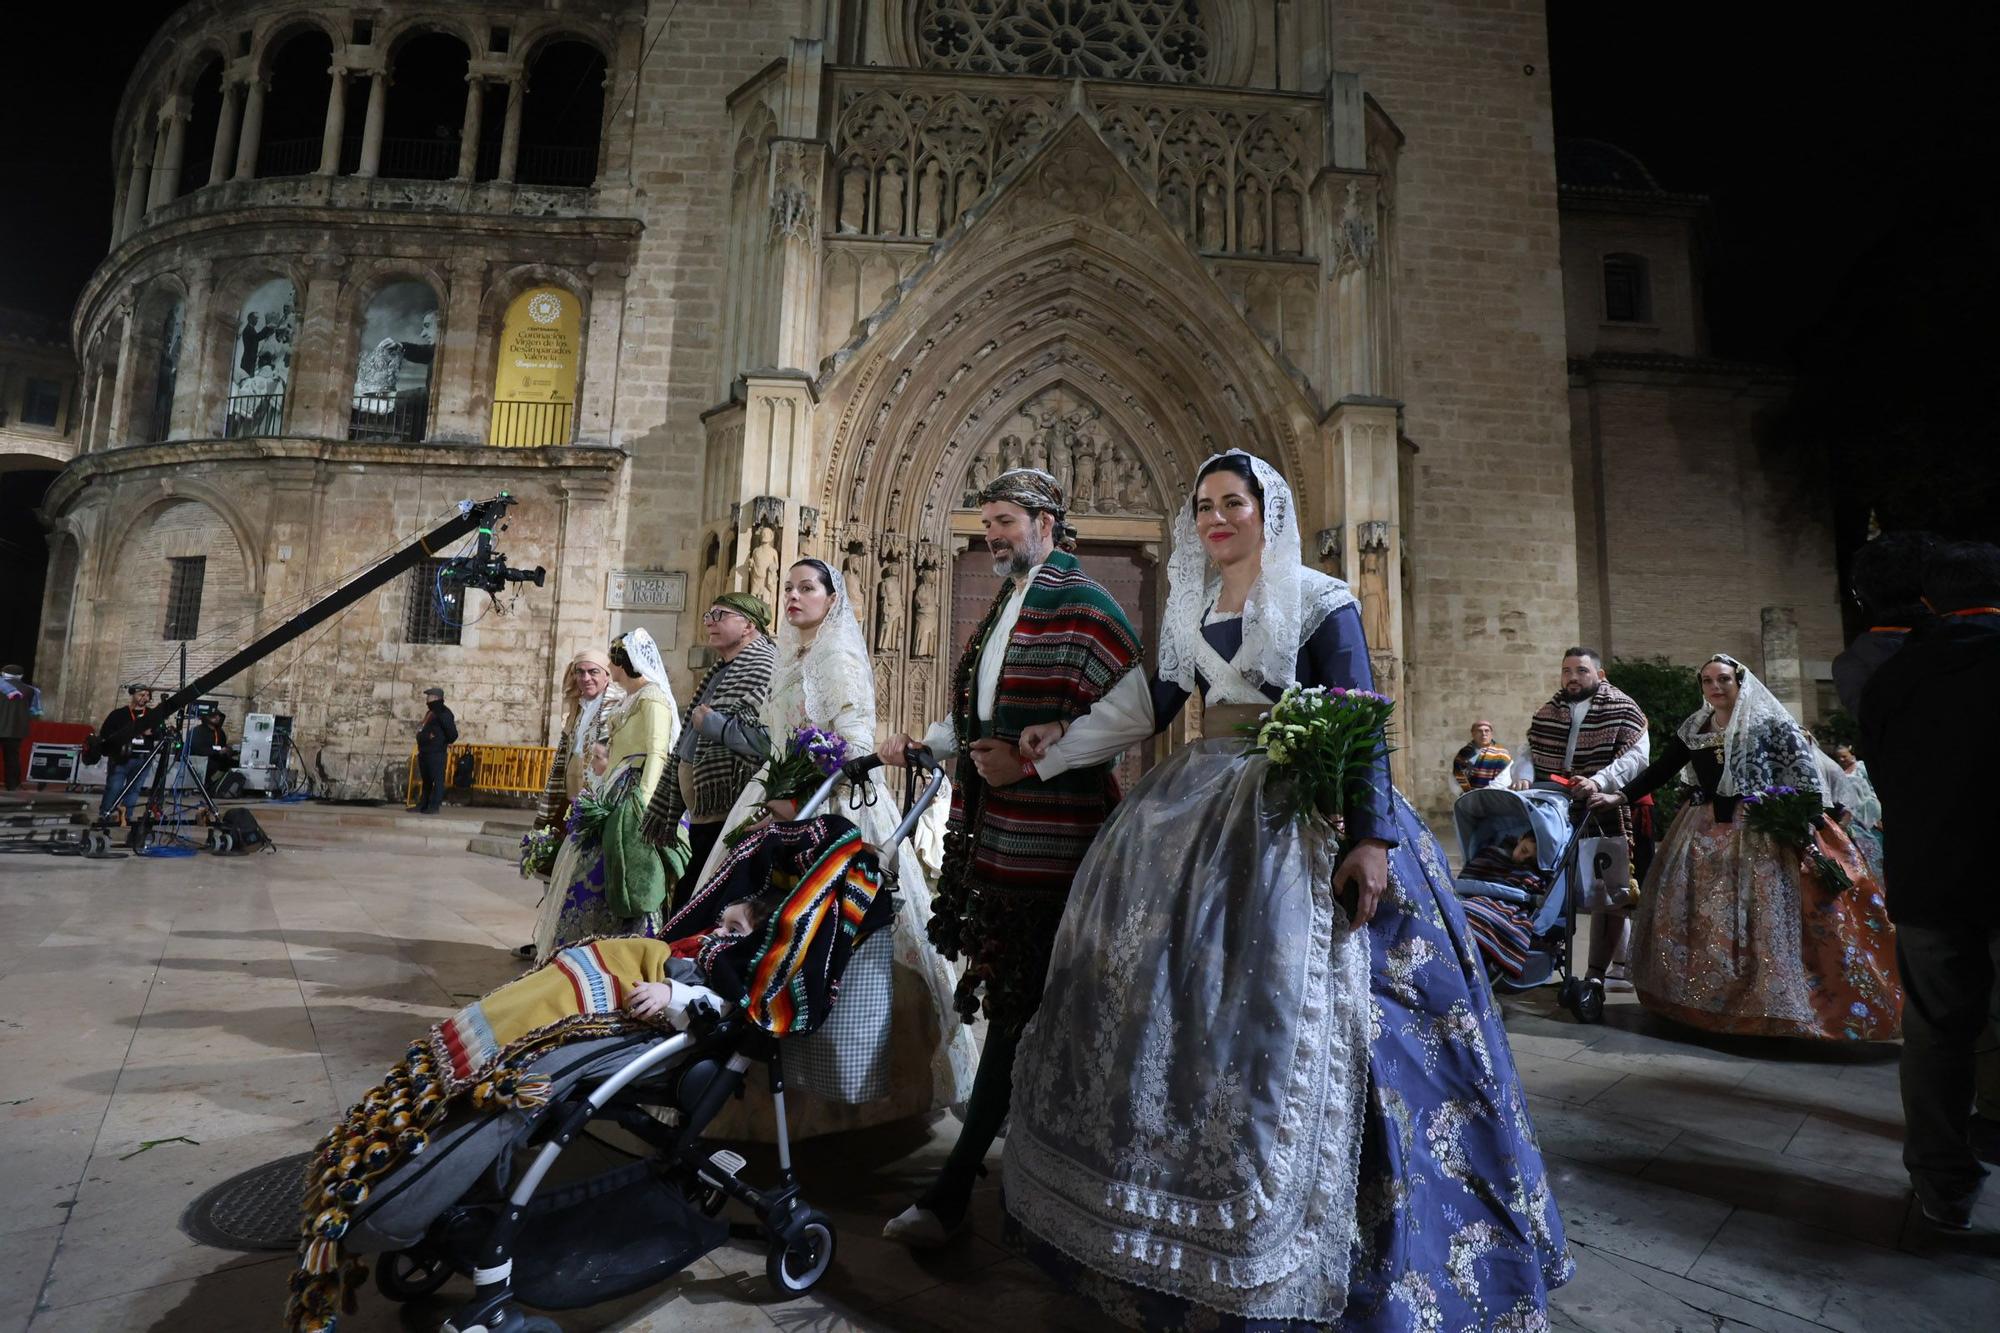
column 1220, row 721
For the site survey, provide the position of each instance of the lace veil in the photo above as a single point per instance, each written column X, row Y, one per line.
column 1285, row 606
column 646, row 660
column 1762, row 746
column 833, row 669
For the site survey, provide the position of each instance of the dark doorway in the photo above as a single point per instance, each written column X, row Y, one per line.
column 1126, row 574
column 295, row 107
column 426, row 111
column 562, row 118
column 24, row 554
column 204, row 120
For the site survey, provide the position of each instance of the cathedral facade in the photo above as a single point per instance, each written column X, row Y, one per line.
column 716, row 283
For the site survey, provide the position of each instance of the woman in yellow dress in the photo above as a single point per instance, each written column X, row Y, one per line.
column 612, row 881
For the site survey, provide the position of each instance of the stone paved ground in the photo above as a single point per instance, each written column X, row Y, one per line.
column 238, row 1003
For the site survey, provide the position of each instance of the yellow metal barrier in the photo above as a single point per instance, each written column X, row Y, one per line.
column 500, row 768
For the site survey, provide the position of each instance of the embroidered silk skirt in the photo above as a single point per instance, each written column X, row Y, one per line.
column 1224, row 1146
column 1734, row 934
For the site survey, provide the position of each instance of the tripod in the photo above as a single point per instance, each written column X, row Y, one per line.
column 158, row 825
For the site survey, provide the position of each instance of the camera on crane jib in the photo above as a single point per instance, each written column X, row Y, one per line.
column 488, row 571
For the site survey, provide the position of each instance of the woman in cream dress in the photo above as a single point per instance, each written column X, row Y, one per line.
column 893, row 1046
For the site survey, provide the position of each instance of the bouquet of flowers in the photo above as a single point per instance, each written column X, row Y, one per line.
column 1327, row 741
column 1790, row 816
column 810, row 757
column 539, row 846
column 587, row 814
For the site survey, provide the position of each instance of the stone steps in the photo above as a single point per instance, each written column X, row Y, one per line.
column 391, row 828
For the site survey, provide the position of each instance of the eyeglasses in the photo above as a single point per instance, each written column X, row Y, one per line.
column 716, row 613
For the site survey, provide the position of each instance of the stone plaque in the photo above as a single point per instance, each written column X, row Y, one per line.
column 645, row 590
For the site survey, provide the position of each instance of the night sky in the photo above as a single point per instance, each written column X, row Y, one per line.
column 1842, row 147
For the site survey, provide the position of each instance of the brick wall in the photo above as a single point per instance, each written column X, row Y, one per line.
column 1479, row 307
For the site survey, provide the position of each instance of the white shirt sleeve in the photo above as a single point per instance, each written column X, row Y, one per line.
column 1114, row 724
column 1614, row 775
column 941, row 740
column 1522, row 769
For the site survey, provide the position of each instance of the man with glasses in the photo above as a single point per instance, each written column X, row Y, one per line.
column 711, row 775
column 127, row 757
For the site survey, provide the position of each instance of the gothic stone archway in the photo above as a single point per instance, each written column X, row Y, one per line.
column 1066, row 322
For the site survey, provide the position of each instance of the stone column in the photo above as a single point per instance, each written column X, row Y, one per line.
column 371, row 125
column 798, row 172
column 191, row 388
column 510, row 131
column 1784, row 672
column 223, row 156
column 468, row 134
column 160, row 189
column 176, row 120
column 252, row 137
column 598, row 390
column 1347, row 201
column 318, row 403
column 119, row 423
column 776, row 458
column 135, row 189
column 1364, row 497
column 463, row 387
column 336, row 123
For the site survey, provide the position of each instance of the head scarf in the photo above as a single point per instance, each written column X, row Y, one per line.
column 749, row 605
column 646, row 660
column 1036, row 491
column 1762, row 746
column 833, row 668
column 1286, row 605
column 574, row 706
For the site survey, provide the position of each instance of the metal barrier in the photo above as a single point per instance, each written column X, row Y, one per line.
column 514, row 769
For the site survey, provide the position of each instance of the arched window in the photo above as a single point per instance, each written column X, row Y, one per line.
column 166, row 372
column 425, row 120
column 260, row 361
column 1160, row 41
column 534, row 383
column 562, row 115
column 1628, row 295
column 295, row 107
column 392, row 373
column 204, row 120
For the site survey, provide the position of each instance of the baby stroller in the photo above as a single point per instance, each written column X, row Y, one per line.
column 1489, row 815
column 472, row 1202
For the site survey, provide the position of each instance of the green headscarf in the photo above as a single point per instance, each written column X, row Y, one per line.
column 748, row 605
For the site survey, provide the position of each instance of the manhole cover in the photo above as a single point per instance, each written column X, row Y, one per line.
column 258, row 1210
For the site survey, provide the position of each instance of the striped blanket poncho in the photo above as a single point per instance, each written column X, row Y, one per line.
column 1011, row 852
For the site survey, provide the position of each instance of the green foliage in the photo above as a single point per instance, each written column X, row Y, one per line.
column 1668, row 692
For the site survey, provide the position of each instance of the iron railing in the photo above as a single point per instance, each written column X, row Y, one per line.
column 557, row 164
column 527, row 424
column 419, row 159
column 249, row 414
column 288, row 157
column 388, row 417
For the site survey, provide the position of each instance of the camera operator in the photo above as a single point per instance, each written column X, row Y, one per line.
column 435, row 736
column 211, row 739
column 128, row 756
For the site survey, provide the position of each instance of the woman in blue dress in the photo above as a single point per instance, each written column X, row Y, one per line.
column 1263, row 1091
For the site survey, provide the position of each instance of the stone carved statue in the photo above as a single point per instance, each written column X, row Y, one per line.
column 1010, row 453
column 924, row 602
column 980, row 475
column 930, row 192
column 1038, row 451
column 853, row 199
column 1285, row 205
column 760, row 571
column 854, row 572
column 1250, row 235
column 1084, row 495
column 1174, row 207
column 1212, row 231
column 889, row 611
column 889, row 202
column 1372, row 588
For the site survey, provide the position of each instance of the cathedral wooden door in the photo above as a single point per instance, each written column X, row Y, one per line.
column 1125, row 573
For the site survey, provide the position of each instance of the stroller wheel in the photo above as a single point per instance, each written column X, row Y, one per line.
column 800, row 1260
column 409, row 1275
column 1585, row 999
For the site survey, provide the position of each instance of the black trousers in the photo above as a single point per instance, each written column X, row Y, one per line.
column 430, row 779
column 10, row 756
column 1951, row 994
column 701, row 841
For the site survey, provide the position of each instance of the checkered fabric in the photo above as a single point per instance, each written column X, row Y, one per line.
column 847, row 1058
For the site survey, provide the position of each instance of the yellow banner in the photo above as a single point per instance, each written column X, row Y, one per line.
column 534, row 386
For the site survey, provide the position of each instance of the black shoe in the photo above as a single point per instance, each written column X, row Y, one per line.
column 1950, row 1211
column 525, row 951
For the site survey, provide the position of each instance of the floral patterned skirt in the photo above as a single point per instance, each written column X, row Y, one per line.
column 575, row 909
column 1733, row 934
column 1455, row 1225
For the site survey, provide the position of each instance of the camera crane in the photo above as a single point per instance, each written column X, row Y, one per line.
column 485, row 569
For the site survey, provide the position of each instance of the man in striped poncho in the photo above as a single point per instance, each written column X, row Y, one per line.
column 1051, row 645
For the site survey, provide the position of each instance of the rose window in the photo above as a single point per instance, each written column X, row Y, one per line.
column 1163, row 41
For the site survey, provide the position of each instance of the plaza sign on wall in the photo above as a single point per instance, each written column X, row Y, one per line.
column 645, row 590
column 534, row 384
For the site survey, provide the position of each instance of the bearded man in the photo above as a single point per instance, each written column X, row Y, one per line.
column 1051, row 645
column 1591, row 738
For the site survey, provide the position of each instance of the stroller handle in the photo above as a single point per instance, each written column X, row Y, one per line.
column 857, row 770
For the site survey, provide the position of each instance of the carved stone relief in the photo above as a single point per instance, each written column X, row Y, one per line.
column 1063, row 433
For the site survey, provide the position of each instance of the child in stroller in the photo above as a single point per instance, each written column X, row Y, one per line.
column 438, row 1170
column 1519, row 890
